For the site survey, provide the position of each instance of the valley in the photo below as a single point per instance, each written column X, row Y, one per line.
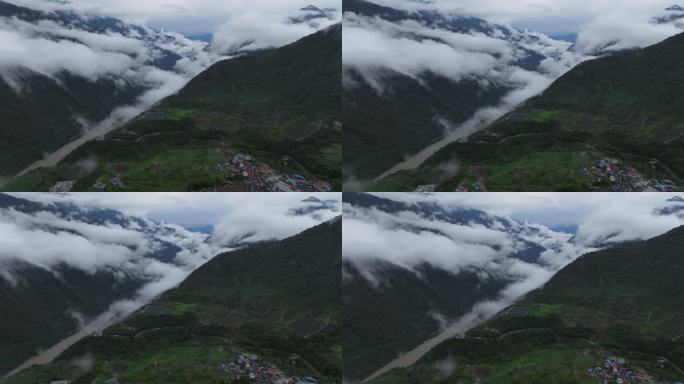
column 51, row 102
column 108, row 296
column 594, row 308
column 277, row 106
column 417, row 125
column 553, row 140
column 223, row 319
column 406, row 111
column 251, row 107
column 565, row 336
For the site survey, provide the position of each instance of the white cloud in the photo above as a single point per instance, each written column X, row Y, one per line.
column 254, row 29
column 49, row 240
column 615, row 32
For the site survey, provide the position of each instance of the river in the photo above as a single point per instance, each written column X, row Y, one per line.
column 47, row 356
column 116, row 119
column 116, row 312
column 480, row 120
column 480, row 313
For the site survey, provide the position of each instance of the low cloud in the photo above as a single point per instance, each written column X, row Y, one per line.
column 621, row 31
column 124, row 56
column 256, row 29
column 49, row 240
column 409, row 240
column 373, row 46
column 254, row 222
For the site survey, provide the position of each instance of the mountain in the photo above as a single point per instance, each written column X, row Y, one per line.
column 44, row 300
column 261, row 122
column 278, row 301
column 619, row 304
column 88, row 67
column 620, row 110
column 311, row 13
column 674, row 14
column 392, row 110
column 391, row 308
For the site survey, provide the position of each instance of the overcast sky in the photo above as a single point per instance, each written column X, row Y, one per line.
column 549, row 16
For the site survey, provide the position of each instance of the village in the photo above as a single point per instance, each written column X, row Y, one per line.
column 243, row 174
column 249, row 366
column 624, row 179
column 477, row 186
column 616, row 370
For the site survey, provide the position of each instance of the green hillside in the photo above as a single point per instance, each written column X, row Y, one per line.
column 280, row 107
column 625, row 106
column 280, row 301
column 620, row 303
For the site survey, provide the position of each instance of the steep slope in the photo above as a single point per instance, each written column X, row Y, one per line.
column 276, row 109
column 48, row 101
column 621, row 303
column 396, row 106
column 624, row 106
column 392, row 308
column 44, row 301
column 280, row 301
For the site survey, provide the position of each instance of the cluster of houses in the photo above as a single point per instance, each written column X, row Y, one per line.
column 626, row 179
column 250, row 367
column 244, row 174
column 477, row 186
column 114, row 182
column 615, row 370
column 63, row 186
column 426, row 188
